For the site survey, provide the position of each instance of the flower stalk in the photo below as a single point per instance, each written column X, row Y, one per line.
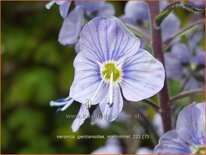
column 158, row 54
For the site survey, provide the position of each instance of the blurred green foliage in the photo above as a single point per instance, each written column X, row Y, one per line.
column 37, row 69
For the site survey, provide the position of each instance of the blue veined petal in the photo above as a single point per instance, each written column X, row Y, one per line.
column 64, row 9
column 106, row 10
column 143, row 76
column 90, row 7
column 138, row 10
column 190, row 124
column 111, row 111
column 170, row 143
column 71, row 27
column 106, row 38
column 80, row 118
column 170, row 25
column 87, row 79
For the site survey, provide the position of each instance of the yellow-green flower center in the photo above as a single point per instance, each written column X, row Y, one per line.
column 193, row 66
column 108, row 69
column 200, row 150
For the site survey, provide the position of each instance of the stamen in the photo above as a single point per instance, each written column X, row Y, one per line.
column 67, row 104
column 60, row 102
column 111, row 90
column 49, row 5
column 88, row 102
column 98, row 88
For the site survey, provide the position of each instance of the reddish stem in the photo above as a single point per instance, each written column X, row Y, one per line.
column 159, row 54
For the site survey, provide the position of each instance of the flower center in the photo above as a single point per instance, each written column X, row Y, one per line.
column 199, row 150
column 109, row 69
column 193, row 66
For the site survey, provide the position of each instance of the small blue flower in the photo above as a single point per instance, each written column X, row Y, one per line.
column 189, row 135
column 111, row 65
column 186, row 62
column 73, row 21
column 63, row 6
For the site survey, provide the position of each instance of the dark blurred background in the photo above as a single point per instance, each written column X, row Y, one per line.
column 37, row 69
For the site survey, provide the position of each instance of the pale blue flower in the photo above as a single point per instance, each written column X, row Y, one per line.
column 189, row 135
column 186, row 62
column 111, row 65
column 73, row 21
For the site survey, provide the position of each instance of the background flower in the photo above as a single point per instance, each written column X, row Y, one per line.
column 189, row 135
column 73, row 22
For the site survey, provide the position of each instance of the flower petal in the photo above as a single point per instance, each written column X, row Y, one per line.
column 174, row 68
column 110, row 112
column 111, row 147
column 64, row 9
column 127, row 20
column 190, row 124
column 98, row 120
column 170, row 25
column 90, row 7
column 106, row 38
column 87, row 79
column 106, row 10
column 181, row 52
column 198, row 3
column 71, row 27
column 80, row 118
column 143, row 76
column 170, row 143
column 144, row 150
column 138, row 10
